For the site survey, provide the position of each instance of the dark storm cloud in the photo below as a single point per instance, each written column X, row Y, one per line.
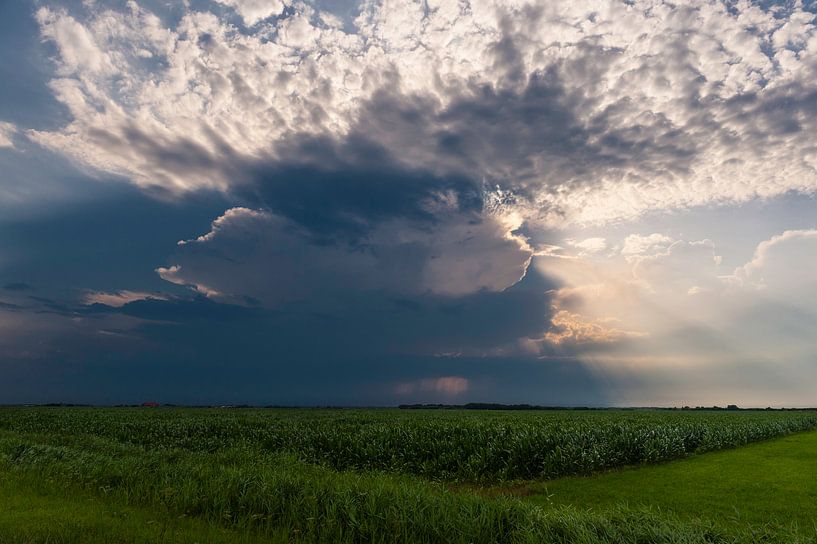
column 346, row 325
column 404, row 147
column 350, row 350
column 47, row 305
column 228, row 378
column 310, row 340
column 341, row 190
column 403, row 159
column 105, row 241
column 330, row 193
column 18, row 286
column 185, row 311
column 193, row 350
column 430, row 325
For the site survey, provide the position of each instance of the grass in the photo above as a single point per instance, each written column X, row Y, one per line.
column 65, row 515
column 34, row 511
column 770, row 482
column 278, row 494
column 206, row 476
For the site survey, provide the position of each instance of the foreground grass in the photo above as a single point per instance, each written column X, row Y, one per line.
column 33, row 511
column 275, row 495
column 772, row 482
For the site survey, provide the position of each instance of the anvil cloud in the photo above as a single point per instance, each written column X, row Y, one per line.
column 578, row 111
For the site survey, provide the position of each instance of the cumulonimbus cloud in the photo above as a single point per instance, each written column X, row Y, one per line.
column 258, row 254
column 409, row 150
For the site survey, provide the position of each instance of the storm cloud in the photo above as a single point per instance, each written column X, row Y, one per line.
column 408, row 200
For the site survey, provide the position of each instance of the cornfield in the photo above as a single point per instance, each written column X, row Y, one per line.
column 384, row 476
column 459, row 446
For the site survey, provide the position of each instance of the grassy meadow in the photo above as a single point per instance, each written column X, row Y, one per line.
column 774, row 480
column 240, row 475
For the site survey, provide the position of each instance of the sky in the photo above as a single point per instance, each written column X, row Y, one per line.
column 332, row 202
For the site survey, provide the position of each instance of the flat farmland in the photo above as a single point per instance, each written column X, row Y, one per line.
column 384, row 475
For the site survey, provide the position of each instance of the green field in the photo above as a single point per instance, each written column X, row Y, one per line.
column 771, row 482
column 236, row 475
column 35, row 511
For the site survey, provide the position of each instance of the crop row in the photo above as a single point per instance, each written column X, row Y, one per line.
column 452, row 446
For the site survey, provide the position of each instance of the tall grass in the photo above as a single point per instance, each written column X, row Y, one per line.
column 275, row 492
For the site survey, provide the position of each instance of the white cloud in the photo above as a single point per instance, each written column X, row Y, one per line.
column 7, row 132
column 783, row 268
column 254, row 11
column 80, row 53
column 681, row 268
column 581, row 112
column 174, row 274
column 589, row 246
column 636, row 244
